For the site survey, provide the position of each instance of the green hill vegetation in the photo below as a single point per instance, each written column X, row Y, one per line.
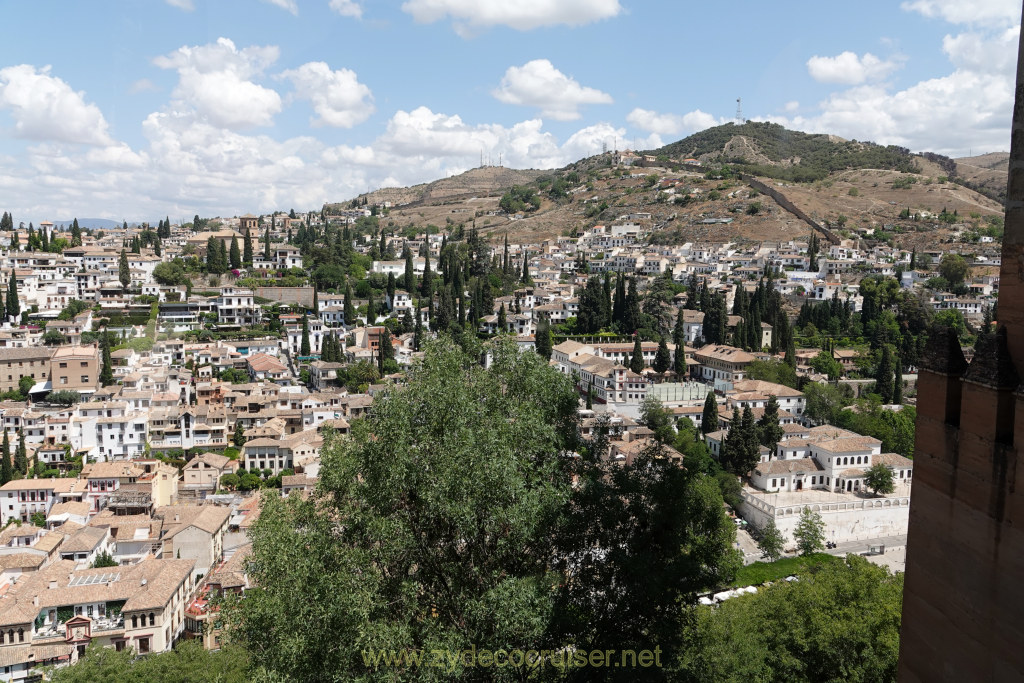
column 787, row 154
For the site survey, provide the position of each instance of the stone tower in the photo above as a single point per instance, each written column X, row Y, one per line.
column 963, row 600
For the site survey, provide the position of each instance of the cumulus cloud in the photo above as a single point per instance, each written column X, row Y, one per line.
column 982, row 12
column 347, row 8
column 969, row 107
column 142, row 85
column 848, row 68
column 522, row 15
column 338, row 98
column 215, row 81
column 791, row 106
column 287, row 5
column 671, row 124
column 992, row 52
column 539, row 84
column 44, row 107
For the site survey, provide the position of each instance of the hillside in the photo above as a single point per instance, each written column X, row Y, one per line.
column 771, row 150
column 854, row 187
column 483, row 181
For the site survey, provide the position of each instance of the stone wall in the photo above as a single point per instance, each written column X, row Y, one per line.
column 846, row 520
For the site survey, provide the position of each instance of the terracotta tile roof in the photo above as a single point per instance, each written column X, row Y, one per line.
column 893, row 460
column 788, row 466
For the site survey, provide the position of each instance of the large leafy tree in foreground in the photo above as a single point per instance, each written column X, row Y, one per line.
column 455, row 516
column 841, row 623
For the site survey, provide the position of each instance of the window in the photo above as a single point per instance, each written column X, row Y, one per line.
column 63, row 365
column 119, row 646
column 135, row 621
column 152, row 619
column 21, row 635
column 85, row 364
column 143, row 646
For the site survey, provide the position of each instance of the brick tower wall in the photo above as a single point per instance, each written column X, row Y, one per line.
column 963, row 600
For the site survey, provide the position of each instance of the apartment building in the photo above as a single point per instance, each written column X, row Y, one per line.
column 51, row 616
column 75, row 368
column 15, row 363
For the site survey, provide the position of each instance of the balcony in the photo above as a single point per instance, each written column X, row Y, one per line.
column 99, row 624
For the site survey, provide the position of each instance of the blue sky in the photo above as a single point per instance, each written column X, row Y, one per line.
column 137, row 110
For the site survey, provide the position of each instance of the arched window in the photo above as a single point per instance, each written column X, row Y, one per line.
column 21, row 635
column 152, row 619
column 10, row 635
column 135, row 621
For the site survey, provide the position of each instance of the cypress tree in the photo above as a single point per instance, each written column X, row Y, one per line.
column 236, row 255
column 662, row 359
column 426, row 285
column 884, row 376
column 304, row 348
column 543, row 344
column 247, row 247
column 417, row 330
column 106, row 364
column 769, row 429
column 409, row 281
column 316, row 302
column 897, row 382
column 123, row 273
column 6, row 472
column 679, row 339
column 21, row 454
column 348, row 305
column 266, row 245
column 751, row 446
column 502, row 320
column 709, row 418
column 13, row 305
column 636, row 363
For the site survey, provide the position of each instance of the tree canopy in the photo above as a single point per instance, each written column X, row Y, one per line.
column 450, row 518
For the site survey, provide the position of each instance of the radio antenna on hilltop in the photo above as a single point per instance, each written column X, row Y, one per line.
column 739, row 111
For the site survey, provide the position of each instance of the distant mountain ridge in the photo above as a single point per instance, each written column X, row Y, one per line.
column 90, row 223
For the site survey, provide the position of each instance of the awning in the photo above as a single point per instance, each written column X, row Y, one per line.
column 41, row 387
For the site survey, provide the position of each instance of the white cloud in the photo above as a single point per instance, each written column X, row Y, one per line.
column 182, row 4
column 142, row 85
column 984, row 52
column 347, row 8
column 539, row 84
column 791, row 106
column 983, row 12
column 967, row 108
column 338, row 98
column 522, row 15
column 288, row 5
column 46, row 108
column 671, row 124
column 848, row 69
column 214, row 80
